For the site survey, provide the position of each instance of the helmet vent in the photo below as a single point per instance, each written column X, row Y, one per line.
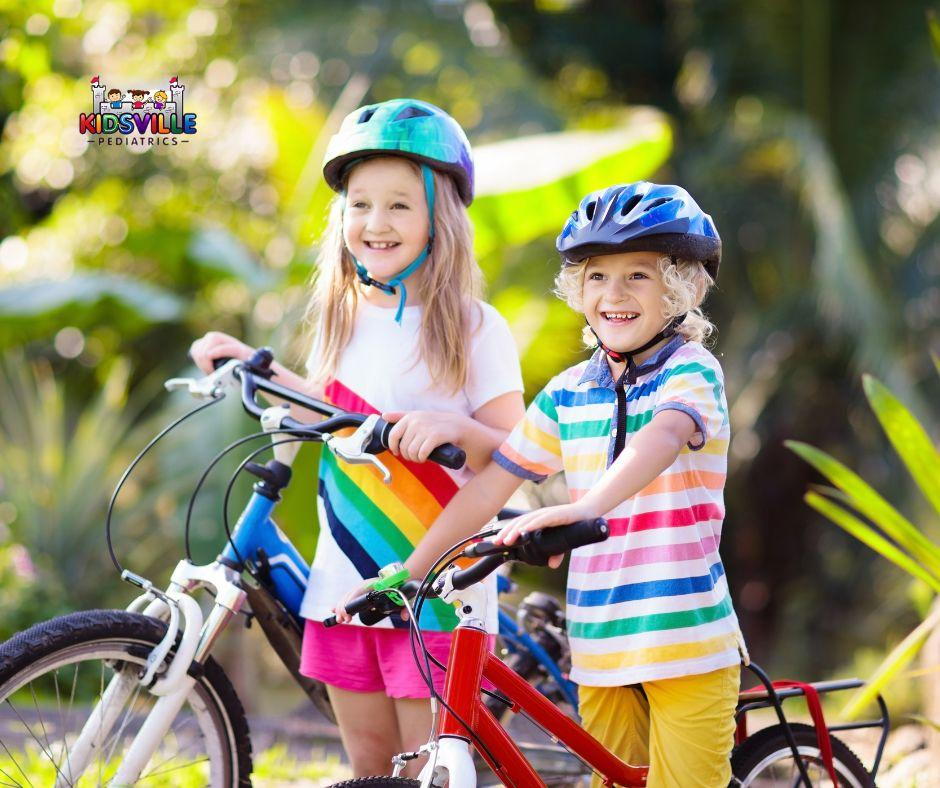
column 657, row 203
column 412, row 112
column 630, row 204
column 366, row 116
column 589, row 210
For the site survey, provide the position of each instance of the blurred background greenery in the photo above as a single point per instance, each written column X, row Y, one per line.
column 807, row 129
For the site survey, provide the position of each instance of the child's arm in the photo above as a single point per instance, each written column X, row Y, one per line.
column 474, row 505
column 417, row 433
column 653, row 449
column 215, row 345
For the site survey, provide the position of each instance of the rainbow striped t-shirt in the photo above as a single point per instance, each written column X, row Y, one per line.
column 364, row 523
column 652, row 601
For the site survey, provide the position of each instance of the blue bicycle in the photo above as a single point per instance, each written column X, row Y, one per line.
column 113, row 697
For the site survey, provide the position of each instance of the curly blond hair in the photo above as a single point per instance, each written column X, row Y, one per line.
column 686, row 282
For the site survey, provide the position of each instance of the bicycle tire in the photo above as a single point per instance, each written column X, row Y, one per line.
column 117, row 639
column 378, row 782
column 761, row 760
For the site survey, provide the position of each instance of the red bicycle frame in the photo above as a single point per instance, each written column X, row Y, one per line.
column 470, row 662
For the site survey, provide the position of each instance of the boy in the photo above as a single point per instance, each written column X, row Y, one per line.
column 641, row 431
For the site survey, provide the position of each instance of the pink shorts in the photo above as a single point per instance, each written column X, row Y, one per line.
column 370, row 659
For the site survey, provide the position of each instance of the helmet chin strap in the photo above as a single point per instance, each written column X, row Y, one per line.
column 630, row 372
column 398, row 281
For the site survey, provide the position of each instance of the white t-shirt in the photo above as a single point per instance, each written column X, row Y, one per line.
column 364, row 523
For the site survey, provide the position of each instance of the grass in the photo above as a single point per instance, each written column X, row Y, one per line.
column 272, row 768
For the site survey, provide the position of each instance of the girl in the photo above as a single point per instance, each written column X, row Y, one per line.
column 429, row 356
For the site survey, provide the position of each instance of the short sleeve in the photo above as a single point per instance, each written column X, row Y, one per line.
column 494, row 361
column 533, row 449
column 696, row 387
column 313, row 357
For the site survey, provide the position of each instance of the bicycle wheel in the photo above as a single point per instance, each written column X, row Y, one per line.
column 765, row 760
column 54, row 674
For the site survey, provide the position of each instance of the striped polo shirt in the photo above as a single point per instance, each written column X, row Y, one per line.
column 652, row 601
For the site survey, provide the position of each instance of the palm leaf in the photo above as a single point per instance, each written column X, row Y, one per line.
column 869, row 536
column 897, row 660
column 908, row 437
column 526, row 187
column 872, row 505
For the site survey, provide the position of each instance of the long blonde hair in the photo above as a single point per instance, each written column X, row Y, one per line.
column 686, row 282
column 450, row 281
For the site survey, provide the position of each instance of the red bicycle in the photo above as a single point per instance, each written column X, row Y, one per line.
column 786, row 754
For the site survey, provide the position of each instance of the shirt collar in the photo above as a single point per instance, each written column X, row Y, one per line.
column 598, row 370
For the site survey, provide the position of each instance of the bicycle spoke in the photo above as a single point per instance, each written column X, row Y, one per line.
column 64, row 753
column 45, row 734
column 37, row 739
column 71, row 704
column 158, row 765
column 174, row 768
column 115, row 738
column 16, row 763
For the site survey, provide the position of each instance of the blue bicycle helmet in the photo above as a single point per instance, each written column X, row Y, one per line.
column 641, row 217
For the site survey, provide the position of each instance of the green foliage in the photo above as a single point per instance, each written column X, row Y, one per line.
column 884, row 529
column 274, row 764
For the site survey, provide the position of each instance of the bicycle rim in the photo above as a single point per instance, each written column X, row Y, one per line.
column 46, row 705
column 778, row 769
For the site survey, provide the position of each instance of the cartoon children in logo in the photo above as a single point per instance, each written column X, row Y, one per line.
column 159, row 99
column 114, row 98
column 138, row 96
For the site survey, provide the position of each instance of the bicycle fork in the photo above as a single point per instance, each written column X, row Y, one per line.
column 196, row 638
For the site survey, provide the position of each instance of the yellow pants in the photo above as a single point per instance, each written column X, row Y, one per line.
column 683, row 728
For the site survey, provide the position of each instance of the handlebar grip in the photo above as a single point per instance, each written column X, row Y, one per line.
column 446, row 454
column 259, row 362
column 449, row 456
column 375, row 605
column 545, row 543
column 474, row 574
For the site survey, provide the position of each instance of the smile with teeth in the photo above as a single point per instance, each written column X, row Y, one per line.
column 382, row 244
column 620, row 316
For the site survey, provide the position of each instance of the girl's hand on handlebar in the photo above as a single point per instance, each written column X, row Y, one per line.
column 339, row 609
column 549, row 517
column 215, row 345
column 342, row 617
column 417, row 433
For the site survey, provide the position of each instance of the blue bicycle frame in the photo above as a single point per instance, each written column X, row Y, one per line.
column 257, row 538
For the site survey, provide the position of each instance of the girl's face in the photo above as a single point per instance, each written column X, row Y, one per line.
column 622, row 298
column 385, row 224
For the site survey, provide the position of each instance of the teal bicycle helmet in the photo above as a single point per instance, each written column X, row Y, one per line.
column 416, row 130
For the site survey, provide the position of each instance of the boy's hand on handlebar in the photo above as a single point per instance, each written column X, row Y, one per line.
column 419, row 432
column 549, row 517
column 215, row 345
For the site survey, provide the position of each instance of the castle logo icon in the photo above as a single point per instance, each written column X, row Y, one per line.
column 157, row 116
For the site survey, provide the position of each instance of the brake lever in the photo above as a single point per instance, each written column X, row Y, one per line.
column 211, row 386
column 352, row 448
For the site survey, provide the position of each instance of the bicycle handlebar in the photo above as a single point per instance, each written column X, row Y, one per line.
column 255, row 374
column 535, row 547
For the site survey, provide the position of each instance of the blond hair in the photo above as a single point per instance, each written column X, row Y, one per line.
column 686, row 283
column 450, row 280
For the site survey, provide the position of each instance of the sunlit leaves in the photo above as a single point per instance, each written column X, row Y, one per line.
column 884, row 529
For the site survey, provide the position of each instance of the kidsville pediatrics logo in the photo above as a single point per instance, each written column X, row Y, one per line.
column 157, row 117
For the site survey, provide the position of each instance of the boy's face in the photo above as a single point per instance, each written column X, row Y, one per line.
column 622, row 299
